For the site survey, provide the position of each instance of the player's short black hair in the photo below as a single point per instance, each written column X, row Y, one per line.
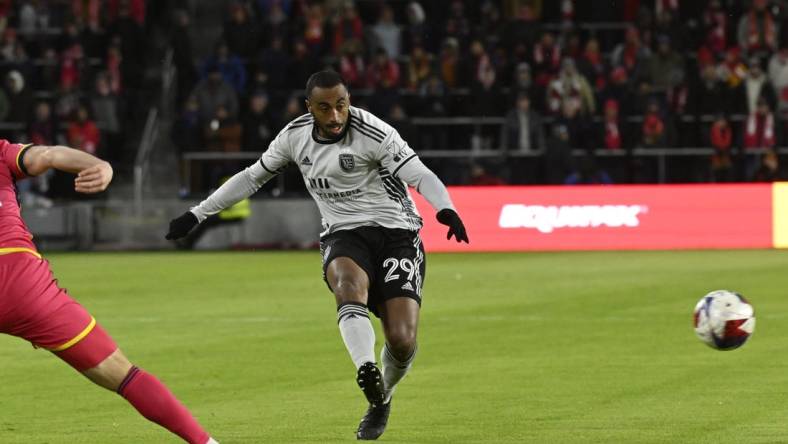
column 323, row 79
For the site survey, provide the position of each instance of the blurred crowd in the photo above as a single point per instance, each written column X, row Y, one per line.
column 559, row 75
column 69, row 68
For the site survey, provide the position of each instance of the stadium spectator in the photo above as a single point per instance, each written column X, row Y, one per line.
column 187, row 129
column 314, row 29
column 755, row 86
column 293, row 108
column 302, row 64
column 433, row 102
column 43, row 129
column 778, row 77
column 126, row 32
column 274, row 60
column 654, row 133
column 617, row 89
column 419, row 68
column 259, row 124
column 522, row 29
column 222, row 132
column 241, row 34
column 481, row 177
column 715, row 23
column 721, row 139
column 456, row 25
column 587, row 172
column 758, row 30
column 82, row 132
column 591, row 65
column 352, row 66
column 523, row 84
column 20, row 99
column 522, row 130
column 611, row 130
column 558, row 156
column 347, row 27
column 400, row 121
column 275, row 22
column 417, row 31
column 546, row 59
column 665, row 67
column 67, row 102
column 450, row 64
column 571, row 89
column 732, row 70
column 182, row 55
column 106, row 107
column 213, row 92
column 577, row 125
column 135, row 9
column 769, row 169
column 388, row 34
column 760, row 130
column 708, row 97
column 383, row 72
column 232, row 70
column 631, row 54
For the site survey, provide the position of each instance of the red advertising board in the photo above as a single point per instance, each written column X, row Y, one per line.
column 617, row 217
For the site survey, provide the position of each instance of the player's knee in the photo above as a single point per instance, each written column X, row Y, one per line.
column 110, row 372
column 402, row 342
column 349, row 290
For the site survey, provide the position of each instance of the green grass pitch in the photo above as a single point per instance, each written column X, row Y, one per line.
column 514, row 348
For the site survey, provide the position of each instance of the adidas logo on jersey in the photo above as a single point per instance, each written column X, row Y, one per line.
column 407, row 286
column 306, row 161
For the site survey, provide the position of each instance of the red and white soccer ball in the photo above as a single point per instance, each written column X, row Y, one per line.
column 724, row 320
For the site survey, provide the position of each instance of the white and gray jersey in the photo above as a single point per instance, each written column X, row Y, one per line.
column 358, row 179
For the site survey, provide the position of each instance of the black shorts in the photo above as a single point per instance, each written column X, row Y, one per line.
column 392, row 258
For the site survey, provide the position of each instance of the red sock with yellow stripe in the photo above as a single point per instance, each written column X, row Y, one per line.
column 155, row 402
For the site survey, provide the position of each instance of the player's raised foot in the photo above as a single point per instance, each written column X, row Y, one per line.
column 370, row 380
column 373, row 424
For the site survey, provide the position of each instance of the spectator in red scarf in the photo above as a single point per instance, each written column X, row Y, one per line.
column 351, row 65
column 592, row 66
column 760, row 130
column 715, row 20
column 546, row 59
column 654, row 131
column 721, row 138
column 83, row 133
column 631, row 53
column 758, row 30
column 612, row 135
column 383, row 72
column 348, row 27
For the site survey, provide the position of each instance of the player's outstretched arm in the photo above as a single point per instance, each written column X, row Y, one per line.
column 93, row 174
column 237, row 188
column 417, row 175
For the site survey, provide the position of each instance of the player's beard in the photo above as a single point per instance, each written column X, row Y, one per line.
column 332, row 130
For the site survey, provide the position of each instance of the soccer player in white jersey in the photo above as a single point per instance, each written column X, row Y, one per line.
column 356, row 168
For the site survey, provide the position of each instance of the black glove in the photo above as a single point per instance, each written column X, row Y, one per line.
column 181, row 225
column 450, row 218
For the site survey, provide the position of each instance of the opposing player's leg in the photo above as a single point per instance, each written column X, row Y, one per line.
column 350, row 285
column 34, row 308
column 143, row 391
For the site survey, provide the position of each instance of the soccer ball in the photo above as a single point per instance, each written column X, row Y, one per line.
column 723, row 320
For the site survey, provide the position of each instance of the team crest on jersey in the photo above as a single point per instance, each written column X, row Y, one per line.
column 347, row 162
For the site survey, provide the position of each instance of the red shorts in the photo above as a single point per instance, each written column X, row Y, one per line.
column 34, row 308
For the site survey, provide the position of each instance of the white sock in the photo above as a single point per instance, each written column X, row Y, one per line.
column 393, row 369
column 357, row 332
column 212, row 441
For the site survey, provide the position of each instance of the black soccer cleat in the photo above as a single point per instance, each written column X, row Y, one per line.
column 370, row 380
column 373, row 424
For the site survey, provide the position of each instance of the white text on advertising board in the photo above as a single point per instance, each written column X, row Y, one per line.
column 545, row 219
